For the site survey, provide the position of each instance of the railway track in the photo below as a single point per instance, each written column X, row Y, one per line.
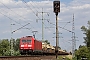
column 27, row 57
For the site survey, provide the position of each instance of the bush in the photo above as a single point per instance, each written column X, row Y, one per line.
column 8, row 53
column 63, row 57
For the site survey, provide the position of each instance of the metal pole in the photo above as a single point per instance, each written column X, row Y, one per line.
column 12, row 49
column 73, row 39
column 11, row 41
column 56, row 5
column 56, row 50
column 42, row 26
column 42, row 23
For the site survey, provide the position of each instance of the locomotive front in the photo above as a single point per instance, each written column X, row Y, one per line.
column 26, row 45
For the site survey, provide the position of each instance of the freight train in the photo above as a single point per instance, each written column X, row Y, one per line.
column 29, row 45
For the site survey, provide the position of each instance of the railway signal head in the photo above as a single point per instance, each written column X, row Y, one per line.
column 56, row 6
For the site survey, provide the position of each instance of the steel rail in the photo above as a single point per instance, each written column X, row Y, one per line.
column 19, row 56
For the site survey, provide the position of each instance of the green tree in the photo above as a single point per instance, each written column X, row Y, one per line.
column 16, row 47
column 15, row 44
column 86, row 31
column 47, row 41
column 4, row 46
column 82, row 52
column 12, row 41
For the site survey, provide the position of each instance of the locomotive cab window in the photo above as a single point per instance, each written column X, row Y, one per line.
column 23, row 41
column 28, row 40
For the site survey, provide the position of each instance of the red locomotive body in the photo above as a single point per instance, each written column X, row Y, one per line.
column 28, row 45
column 37, row 45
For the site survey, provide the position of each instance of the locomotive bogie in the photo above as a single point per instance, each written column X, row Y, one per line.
column 24, row 52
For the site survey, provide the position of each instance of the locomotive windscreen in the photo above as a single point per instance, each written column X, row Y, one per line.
column 23, row 41
column 26, row 41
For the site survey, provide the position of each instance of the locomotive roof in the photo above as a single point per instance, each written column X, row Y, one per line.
column 27, row 36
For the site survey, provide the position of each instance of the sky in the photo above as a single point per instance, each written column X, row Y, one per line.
column 23, row 17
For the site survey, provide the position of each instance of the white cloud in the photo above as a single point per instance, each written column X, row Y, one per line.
column 6, row 32
column 6, row 1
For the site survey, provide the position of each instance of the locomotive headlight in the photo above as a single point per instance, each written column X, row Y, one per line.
column 29, row 45
column 22, row 45
column 22, row 48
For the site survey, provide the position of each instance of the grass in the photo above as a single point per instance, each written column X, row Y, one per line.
column 67, row 57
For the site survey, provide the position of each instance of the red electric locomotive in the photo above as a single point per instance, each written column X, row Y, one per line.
column 28, row 45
